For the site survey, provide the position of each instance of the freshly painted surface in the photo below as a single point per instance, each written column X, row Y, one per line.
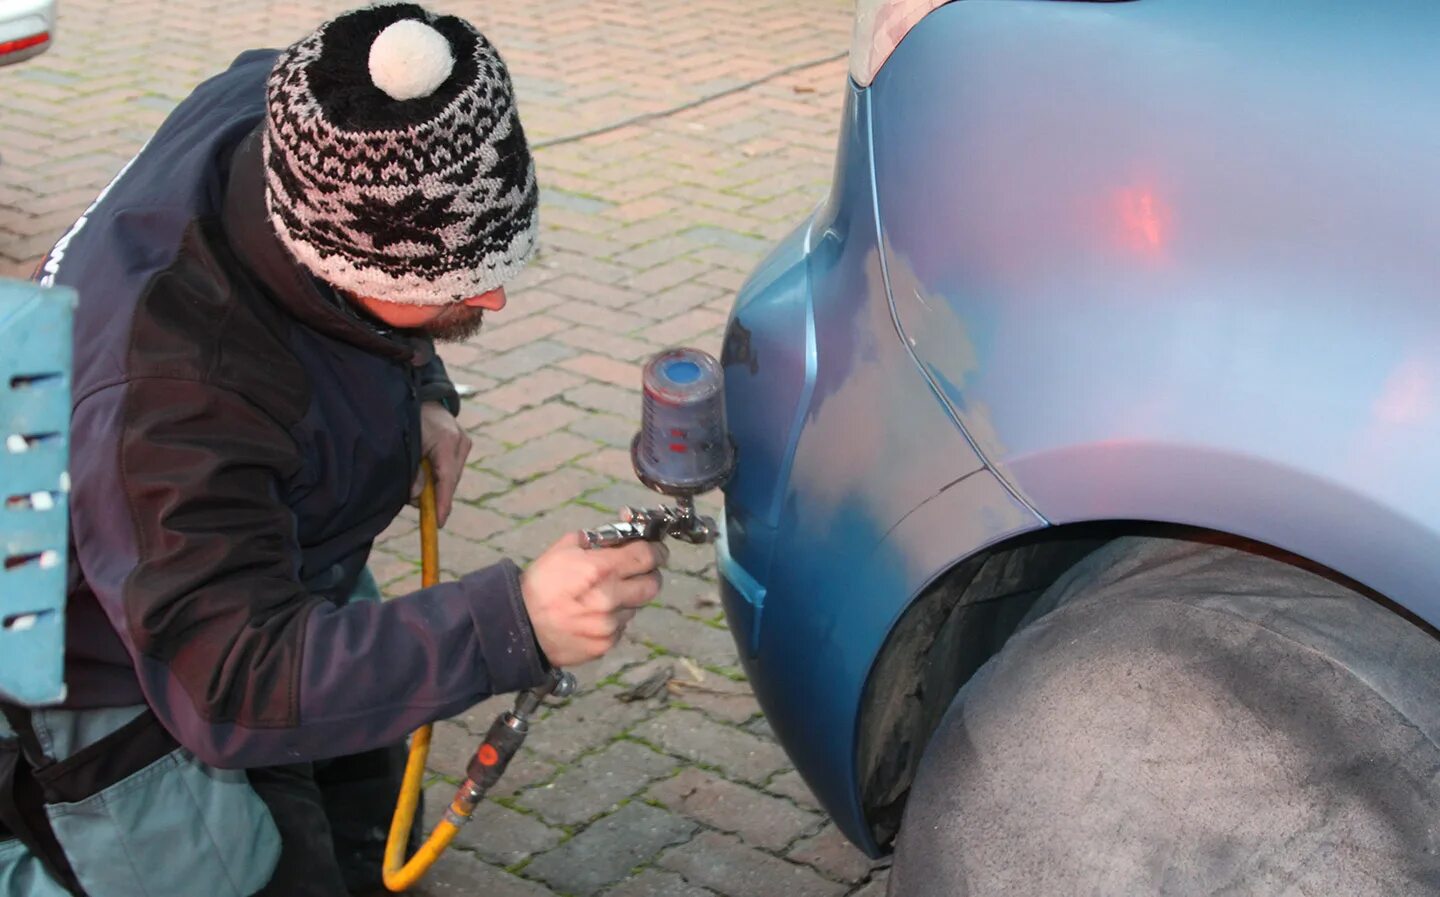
column 1162, row 260
column 1175, row 260
column 840, row 441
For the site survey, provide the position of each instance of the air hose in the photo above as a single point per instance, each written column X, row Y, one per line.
column 486, row 766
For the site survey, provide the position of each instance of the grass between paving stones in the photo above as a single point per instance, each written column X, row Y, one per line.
column 594, row 506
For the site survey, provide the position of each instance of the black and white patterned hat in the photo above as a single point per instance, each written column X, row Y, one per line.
column 396, row 167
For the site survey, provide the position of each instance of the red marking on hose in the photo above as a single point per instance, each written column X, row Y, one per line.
column 678, row 448
column 488, row 755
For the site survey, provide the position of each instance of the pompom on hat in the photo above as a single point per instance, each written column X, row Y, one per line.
column 396, row 167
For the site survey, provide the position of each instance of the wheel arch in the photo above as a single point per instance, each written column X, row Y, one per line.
column 967, row 612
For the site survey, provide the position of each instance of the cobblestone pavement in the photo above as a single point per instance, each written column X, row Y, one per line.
column 676, row 140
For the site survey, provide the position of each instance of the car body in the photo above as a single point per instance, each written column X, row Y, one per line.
column 27, row 29
column 1085, row 269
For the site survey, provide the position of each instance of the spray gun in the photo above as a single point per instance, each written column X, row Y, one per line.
column 683, row 449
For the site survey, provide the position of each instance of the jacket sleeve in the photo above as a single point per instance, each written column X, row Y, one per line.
column 435, row 384
column 182, row 533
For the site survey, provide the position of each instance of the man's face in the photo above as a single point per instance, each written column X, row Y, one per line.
column 447, row 323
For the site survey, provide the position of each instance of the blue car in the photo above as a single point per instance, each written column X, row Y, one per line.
column 1086, row 525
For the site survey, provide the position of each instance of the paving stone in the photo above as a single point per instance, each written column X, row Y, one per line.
column 532, row 423
column 459, row 556
column 597, row 783
column 624, row 655
column 587, row 290
column 667, row 275
column 477, row 524
column 697, row 562
column 726, row 700
column 609, row 319
column 626, row 375
column 604, row 397
column 523, row 332
column 695, row 737
column 877, row 886
column 685, row 637
column 634, row 675
column 528, row 540
column 614, row 462
column 541, row 455
column 593, row 339
column 760, row 728
column 607, row 850
column 627, row 493
column 655, row 883
column 387, row 567
column 691, row 595
column 527, row 357
column 496, row 834
column 585, row 723
column 549, row 491
column 721, row 862
column 611, row 429
column 832, row 854
column 678, row 300
column 483, row 449
column 533, row 389
column 685, row 328
column 477, row 484
column 770, row 823
column 461, row 355
column 461, row 874
column 792, row 786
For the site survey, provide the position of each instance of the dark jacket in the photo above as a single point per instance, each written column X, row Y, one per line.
column 239, row 438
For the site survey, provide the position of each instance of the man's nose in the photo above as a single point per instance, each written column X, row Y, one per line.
column 491, row 301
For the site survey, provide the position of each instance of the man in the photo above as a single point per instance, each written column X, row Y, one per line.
column 255, row 386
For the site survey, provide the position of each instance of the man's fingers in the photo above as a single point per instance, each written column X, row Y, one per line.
column 600, row 626
column 615, row 595
column 447, row 474
column 454, row 470
column 572, row 539
column 635, row 558
column 638, row 591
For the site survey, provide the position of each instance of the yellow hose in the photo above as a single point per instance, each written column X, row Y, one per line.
column 400, row 874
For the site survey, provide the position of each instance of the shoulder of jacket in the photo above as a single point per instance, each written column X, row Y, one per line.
column 203, row 318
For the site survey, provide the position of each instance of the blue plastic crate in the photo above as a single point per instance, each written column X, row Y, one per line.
column 35, row 367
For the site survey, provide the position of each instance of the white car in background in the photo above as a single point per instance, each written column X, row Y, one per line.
column 27, row 28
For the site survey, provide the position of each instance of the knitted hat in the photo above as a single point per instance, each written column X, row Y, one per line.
column 396, row 167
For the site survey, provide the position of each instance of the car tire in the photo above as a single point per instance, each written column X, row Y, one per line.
column 1187, row 717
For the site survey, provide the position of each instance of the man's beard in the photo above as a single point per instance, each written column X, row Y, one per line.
column 455, row 324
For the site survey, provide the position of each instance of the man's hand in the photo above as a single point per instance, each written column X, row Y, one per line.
column 580, row 600
column 448, row 448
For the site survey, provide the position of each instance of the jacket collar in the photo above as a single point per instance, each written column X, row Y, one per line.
column 309, row 300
